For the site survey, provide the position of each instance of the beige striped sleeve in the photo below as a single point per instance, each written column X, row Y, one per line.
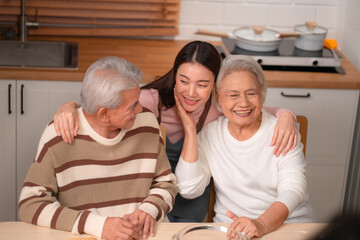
column 163, row 189
column 38, row 204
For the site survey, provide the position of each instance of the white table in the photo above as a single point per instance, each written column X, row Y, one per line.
column 164, row 231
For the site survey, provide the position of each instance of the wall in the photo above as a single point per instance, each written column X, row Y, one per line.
column 349, row 31
column 280, row 15
column 352, row 194
column 351, row 49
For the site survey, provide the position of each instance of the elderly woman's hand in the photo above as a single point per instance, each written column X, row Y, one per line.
column 252, row 228
column 285, row 134
column 66, row 121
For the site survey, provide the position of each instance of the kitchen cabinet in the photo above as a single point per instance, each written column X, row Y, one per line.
column 7, row 150
column 27, row 107
column 331, row 119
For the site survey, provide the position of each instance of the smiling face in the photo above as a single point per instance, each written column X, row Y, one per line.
column 240, row 99
column 194, row 84
column 124, row 115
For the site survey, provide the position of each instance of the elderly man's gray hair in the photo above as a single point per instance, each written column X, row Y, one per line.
column 236, row 63
column 104, row 80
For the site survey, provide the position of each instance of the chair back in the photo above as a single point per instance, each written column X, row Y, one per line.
column 303, row 124
column 211, row 212
column 163, row 134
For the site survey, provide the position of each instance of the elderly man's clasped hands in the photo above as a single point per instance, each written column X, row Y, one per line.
column 136, row 225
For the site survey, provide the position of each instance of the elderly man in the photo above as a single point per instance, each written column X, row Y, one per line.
column 114, row 181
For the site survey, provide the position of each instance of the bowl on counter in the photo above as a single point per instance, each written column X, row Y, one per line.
column 208, row 232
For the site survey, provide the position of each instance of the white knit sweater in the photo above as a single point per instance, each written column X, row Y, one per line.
column 248, row 177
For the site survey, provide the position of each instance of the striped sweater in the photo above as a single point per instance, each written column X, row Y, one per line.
column 74, row 187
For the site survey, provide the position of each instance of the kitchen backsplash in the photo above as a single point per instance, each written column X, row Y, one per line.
column 281, row 15
column 340, row 17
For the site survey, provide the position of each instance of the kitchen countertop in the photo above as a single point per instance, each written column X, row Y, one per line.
column 163, row 231
column 155, row 58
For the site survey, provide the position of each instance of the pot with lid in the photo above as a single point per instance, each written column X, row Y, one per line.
column 257, row 39
column 311, row 36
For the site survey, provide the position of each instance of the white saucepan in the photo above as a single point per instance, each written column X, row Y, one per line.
column 311, row 36
column 250, row 38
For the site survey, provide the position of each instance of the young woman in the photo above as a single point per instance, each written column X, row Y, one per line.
column 192, row 78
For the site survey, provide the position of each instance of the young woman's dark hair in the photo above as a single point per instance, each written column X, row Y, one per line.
column 194, row 52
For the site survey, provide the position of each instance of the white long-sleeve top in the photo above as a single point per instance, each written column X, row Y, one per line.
column 248, row 177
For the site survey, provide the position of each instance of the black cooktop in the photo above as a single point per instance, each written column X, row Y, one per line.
column 289, row 58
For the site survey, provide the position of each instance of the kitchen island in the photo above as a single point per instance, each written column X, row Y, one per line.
column 328, row 100
column 163, row 231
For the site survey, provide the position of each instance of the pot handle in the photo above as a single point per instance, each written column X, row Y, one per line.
column 258, row 30
column 287, row 34
column 211, row 33
column 310, row 25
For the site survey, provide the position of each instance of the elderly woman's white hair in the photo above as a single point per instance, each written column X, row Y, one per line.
column 104, row 80
column 236, row 63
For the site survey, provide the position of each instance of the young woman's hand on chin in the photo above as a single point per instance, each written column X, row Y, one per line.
column 186, row 117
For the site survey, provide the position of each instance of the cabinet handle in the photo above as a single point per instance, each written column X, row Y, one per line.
column 9, row 96
column 297, row 96
column 22, row 99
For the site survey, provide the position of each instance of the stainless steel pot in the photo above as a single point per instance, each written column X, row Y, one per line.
column 311, row 36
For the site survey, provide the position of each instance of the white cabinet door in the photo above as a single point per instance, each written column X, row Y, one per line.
column 37, row 103
column 325, row 186
column 331, row 119
column 7, row 150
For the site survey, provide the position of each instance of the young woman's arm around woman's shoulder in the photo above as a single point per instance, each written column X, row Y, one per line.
column 66, row 122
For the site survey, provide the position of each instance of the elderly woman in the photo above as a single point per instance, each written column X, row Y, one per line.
column 255, row 190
